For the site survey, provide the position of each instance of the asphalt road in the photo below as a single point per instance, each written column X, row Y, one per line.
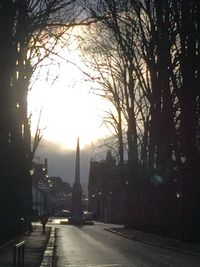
column 92, row 246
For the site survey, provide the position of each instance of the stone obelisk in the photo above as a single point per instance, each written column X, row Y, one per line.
column 77, row 191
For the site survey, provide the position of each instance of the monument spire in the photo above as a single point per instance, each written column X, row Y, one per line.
column 77, row 191
column 77, row 168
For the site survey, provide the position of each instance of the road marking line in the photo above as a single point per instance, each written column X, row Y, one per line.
column 105, row 265
column 99, row 265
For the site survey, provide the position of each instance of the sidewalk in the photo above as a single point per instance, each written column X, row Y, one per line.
column 35, row 245
column 155, row 240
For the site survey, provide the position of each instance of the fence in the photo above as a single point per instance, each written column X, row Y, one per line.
column 18, row 254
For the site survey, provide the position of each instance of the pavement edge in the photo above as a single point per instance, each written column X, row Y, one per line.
column 48, row 253
column 154, row 243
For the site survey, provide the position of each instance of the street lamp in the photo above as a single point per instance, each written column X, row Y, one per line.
column 32, row 171
column 99, row 205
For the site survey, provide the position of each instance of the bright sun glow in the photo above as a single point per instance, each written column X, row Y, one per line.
column 68, row 109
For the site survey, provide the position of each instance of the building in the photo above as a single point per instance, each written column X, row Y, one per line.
column 38, row 202
column 49, row 194
column 105, row 191
column 40, row 189
column 60, row 195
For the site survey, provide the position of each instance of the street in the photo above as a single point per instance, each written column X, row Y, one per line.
column 93, row 246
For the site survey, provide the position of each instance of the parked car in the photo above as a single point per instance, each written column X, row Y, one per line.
column 88, row 217
column 63, row 214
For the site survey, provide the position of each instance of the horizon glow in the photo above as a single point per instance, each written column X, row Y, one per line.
column 69, row 110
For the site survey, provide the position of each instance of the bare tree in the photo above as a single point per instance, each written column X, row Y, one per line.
column 158, row 43
column 29, row 28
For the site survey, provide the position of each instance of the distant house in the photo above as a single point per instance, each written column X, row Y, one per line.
column 105, row 191
column 60, row 194
column 49, row 194
column 38, row 202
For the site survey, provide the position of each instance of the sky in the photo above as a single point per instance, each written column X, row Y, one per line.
column 69, row 110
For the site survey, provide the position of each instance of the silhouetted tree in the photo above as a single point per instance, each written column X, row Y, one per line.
column 28, row 29
column 158, row 43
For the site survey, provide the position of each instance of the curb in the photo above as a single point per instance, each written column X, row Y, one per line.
column 48, row 254
column 156, row 244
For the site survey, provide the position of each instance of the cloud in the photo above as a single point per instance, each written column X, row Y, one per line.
column 62, row 162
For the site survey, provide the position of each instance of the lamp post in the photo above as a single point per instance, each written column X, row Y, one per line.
column 99, row 206
column 31, row 171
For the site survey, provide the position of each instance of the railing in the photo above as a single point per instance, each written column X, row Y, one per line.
column 18, row 254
